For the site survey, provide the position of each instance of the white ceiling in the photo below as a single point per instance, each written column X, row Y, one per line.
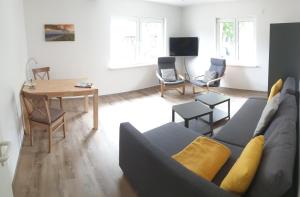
column 187, row 2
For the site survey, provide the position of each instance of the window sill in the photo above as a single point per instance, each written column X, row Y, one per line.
column 242, row 66
column 118, row 67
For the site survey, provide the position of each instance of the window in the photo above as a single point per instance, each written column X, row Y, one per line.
column 136, row 41
column 236, row 41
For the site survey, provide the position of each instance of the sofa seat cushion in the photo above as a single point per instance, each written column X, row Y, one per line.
column 204, row 156
column 239, row 130
column 171, row 137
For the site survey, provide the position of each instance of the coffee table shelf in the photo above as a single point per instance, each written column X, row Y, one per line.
column 217, row 115
column 212, row 99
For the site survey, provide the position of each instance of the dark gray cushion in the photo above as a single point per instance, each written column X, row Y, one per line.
column 166, row 63
column 218, row 65
column 289, row 87
column 267, row 115
column 275, row 173
column 287, row 111
column 239, row 130
column 171, row 138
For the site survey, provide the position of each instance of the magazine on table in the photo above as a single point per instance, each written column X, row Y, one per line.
column 84, row 85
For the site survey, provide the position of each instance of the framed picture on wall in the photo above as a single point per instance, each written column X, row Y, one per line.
column 59, row 32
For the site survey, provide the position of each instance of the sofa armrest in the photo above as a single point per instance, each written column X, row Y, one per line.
column 152, row 173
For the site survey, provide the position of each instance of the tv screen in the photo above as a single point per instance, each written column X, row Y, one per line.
column 184, row 46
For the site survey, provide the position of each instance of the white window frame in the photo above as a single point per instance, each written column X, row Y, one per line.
column 236, row 21
column 139, row 21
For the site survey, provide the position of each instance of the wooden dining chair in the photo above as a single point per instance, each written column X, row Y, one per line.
column 39, row 112
column 41, row 73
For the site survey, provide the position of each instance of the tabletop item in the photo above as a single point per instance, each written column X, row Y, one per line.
column 84, row 85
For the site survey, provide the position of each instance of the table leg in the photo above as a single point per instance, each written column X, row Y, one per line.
column 173, row 115
column 26, row 123
column 211, row 123
column 228, row 109
column 186, row 123
column 86, row 103
column 95, row 109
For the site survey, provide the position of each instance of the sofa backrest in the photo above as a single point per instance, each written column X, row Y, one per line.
column 275, row 173
column 289, row 86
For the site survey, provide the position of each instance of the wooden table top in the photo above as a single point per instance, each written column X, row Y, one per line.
column 63, row 88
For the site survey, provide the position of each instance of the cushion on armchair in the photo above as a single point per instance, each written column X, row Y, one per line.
column 168, row 74
column 210, row 75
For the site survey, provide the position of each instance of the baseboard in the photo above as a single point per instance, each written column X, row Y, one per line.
column 18, row 162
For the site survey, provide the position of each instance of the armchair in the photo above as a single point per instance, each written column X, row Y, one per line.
column 213, row 76
column 167, row 75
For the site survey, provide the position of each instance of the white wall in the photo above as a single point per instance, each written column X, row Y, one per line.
column 201, row 21
column 89, row 55
column 13, row 57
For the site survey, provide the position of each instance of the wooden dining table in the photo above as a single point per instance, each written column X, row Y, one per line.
column 64, row 88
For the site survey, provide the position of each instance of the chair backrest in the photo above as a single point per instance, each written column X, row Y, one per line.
column 37, row 105
column 219, row 66
column 41, row 73
column 166, row 63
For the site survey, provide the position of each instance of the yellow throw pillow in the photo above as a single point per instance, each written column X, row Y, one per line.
column 243, row 171
column 204, row 157
column 275, row 88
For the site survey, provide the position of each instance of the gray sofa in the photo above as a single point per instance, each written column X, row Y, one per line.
column 146, row 158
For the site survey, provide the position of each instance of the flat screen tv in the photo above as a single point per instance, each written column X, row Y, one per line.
column 184, row 46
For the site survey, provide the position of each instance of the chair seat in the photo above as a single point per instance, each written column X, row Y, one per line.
column 40, row 117
column 198, row 82
column 201, row 83
column 177, row 82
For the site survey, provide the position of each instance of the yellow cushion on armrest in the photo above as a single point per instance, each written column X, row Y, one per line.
column 204, row 157
column 275, row 88
column 243, row 171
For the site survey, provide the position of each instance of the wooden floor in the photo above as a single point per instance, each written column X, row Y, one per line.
column 85, row 164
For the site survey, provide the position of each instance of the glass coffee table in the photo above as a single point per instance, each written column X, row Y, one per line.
column 212, row 99
column 191, row 112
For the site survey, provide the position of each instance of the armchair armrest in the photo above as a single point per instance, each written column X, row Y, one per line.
column 159, row 77
column 181, row 77
column 214, row 80
column 198, row 77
